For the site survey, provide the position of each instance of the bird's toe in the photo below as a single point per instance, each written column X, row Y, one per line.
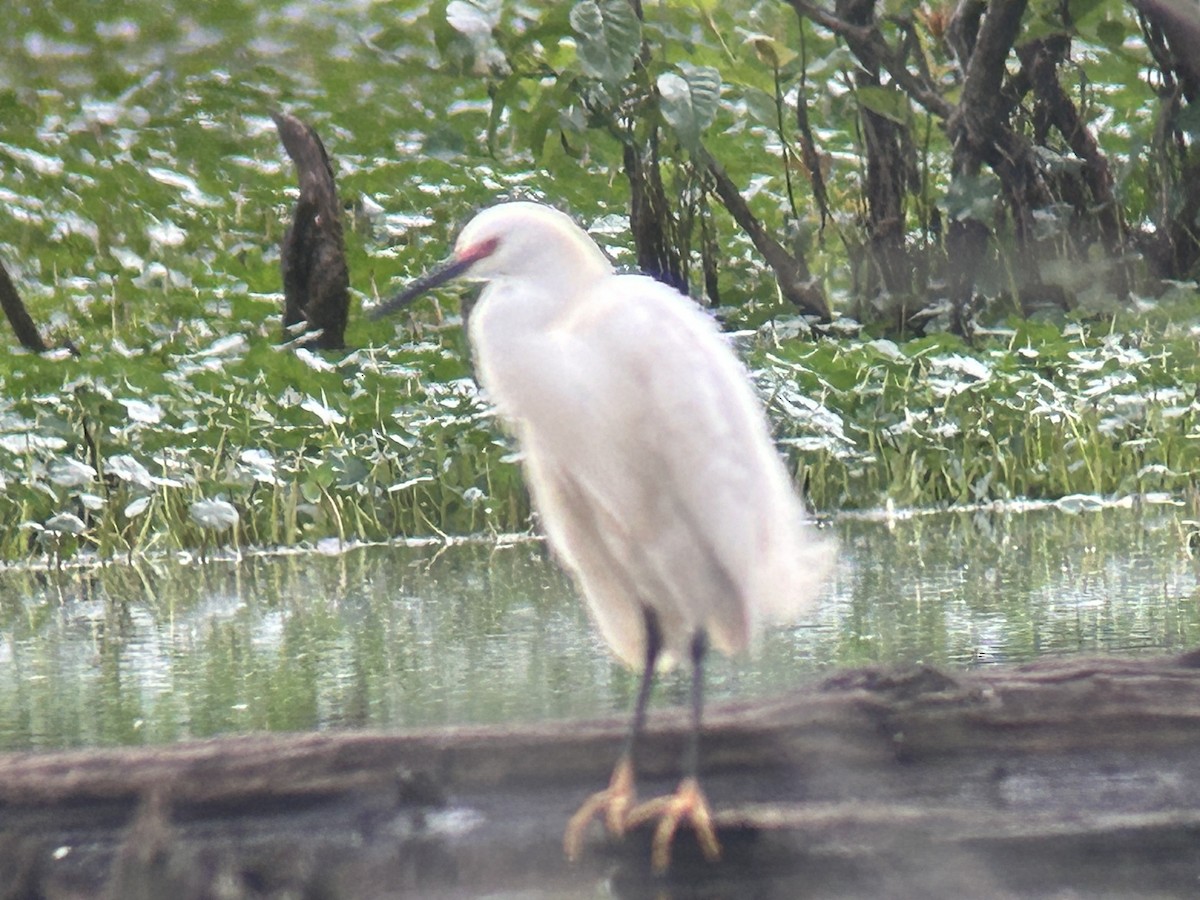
column 687, row 804
column 614, row 803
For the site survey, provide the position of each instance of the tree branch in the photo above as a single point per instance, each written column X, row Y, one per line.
column 18, row 316
column 795, row 281
column 870, row 39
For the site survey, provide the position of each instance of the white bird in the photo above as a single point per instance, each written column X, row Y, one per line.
column 649, row 460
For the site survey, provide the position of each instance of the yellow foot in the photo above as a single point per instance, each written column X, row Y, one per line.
column 687, row 803
column 614, row 802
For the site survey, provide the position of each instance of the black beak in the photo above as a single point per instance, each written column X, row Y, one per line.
column 451, row 268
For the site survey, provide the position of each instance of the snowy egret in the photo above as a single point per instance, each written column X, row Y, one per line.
column 649, row 460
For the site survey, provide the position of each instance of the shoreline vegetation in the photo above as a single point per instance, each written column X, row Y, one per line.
column 242, row 442
column 963, row 332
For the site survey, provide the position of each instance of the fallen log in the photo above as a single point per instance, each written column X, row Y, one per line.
column 1075, row 775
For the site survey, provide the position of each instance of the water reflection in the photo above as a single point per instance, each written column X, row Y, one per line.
column 399, row 637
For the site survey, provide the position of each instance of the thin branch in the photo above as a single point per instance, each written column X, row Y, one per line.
column 871, row 40
column 18, row 316
column 791, row 272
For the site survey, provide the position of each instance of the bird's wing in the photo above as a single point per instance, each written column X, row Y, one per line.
column 652, row 465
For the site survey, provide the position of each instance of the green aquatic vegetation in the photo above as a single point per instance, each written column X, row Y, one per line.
column 144, row 192
column 1035, row 411
column 247, row 443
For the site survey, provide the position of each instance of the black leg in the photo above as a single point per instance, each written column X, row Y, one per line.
column 653, row 649
column 691, row 752
column 615, row 801
column 688, row 803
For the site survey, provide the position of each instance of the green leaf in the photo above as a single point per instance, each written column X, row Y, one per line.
column 350, row 470
column 1081, row 10
column 573, row 119
column 473, row 17
column 1188, row 121
column 215, row 515
column 609, row 38
column 689, row 101
column 1112, row 33
column 972, row 197
column 1038, row 27
column 467, row 39
column 884, row 101
column 772, row 52
column 66, row 523
column 761, row 107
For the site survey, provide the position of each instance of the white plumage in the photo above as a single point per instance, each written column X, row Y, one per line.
column 646, row 450
column 647, row 454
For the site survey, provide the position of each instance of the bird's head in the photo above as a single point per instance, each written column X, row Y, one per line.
column 512, row 240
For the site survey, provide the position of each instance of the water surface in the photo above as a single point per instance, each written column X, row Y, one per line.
column 483, row 633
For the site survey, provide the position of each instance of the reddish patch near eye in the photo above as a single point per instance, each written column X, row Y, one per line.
column 480, row 251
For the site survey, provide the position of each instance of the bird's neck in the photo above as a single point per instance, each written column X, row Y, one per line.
column 514, row 331
column 510, row 312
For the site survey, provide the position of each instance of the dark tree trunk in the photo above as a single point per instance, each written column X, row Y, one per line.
column 885, row 144
column 1172, row 32
column 987, row 125
column 982, row 134
column 1179, row 23
column 796, row 283
column 1097, row 214
column 650, row 216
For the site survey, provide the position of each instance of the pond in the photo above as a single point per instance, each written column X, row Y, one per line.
column 488, row 632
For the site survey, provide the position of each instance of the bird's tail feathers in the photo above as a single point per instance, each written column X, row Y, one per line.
column 791, row 583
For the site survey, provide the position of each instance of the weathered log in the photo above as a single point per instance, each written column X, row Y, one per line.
column 1078, row 776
